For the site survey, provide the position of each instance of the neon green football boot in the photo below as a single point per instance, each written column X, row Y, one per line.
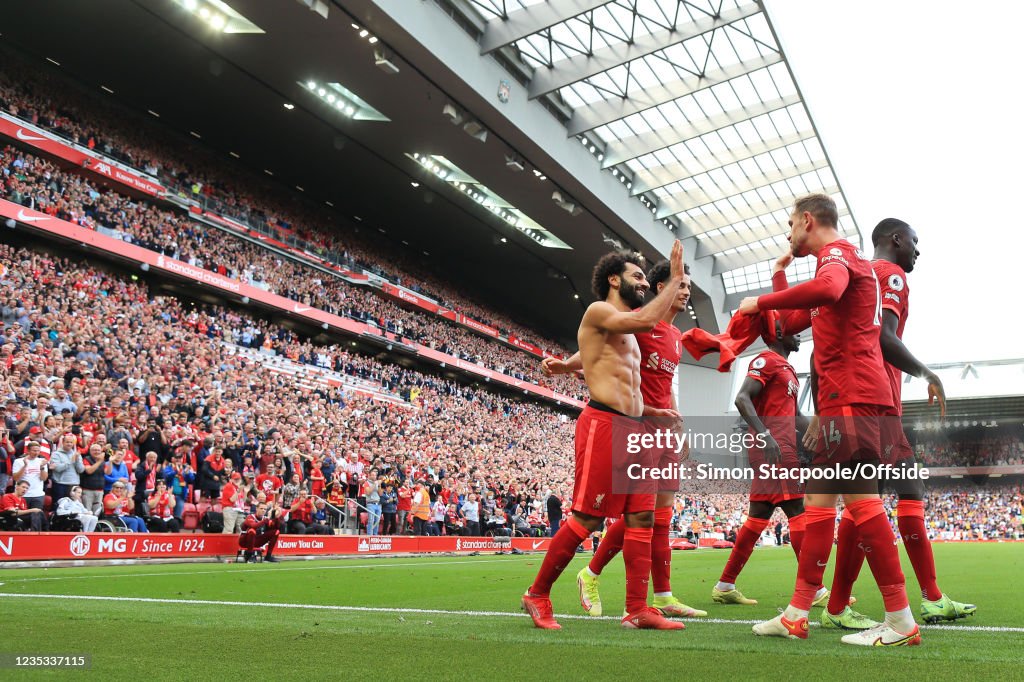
column 847, row 620
column 945, row 609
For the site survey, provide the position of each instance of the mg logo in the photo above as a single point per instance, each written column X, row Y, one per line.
column 79, row 545
column 113, row 545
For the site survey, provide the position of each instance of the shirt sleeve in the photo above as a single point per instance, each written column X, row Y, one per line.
column 826, row 288
column 893, row 289
column 760, row 370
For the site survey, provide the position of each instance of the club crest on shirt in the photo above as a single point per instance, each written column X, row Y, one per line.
column 598, row 501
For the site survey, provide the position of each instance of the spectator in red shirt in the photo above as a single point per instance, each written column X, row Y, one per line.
column 404, row 506
column 233, row 504
column 14, row 504
column 300, row 518
column 261, row 529
column 316, row 479
column 161, row 508
column 269, row 484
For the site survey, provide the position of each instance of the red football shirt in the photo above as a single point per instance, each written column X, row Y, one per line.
column 776, row 403
column 660, row 351
column 847, row 354
column 892, row 282
column 12, row 501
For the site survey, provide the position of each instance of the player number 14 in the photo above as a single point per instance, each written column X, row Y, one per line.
column 830, row 433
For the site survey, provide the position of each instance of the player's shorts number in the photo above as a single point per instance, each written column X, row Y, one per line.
column 833, row 436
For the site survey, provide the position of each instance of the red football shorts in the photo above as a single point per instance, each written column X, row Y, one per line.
column 849, row 433
column 895, row 446
column 777, row 485
column 596, row 469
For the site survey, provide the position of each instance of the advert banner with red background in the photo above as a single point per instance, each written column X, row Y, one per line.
column 71, row 546
column 53, row 145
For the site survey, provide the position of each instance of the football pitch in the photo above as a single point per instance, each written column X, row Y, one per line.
column 440, row 617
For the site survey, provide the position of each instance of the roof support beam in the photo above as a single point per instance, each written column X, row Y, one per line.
column 607, row 111
column 714, row 245
column 757, row 254
column 660, row 176
column 684, row 201
column 527, row 21
column 574, row 69
column 619, row 151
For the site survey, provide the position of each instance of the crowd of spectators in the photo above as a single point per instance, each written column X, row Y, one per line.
column 189, row 169
column 39, row 184
column 940, row 450
column 90, row 357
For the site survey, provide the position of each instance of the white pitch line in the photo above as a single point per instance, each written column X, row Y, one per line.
column 256, row 570
column 436, row 612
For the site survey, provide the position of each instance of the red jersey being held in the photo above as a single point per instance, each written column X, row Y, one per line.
column 660, row 350
column 892, row 282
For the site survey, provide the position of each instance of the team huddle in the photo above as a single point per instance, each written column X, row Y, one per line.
column 857, row 309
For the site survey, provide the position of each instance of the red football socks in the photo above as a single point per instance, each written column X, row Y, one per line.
column 910, row 519
column 746, row 538
column 636, row 552
column 879, row 543
column 611, row 544
column 560, row 552
column 661, row 553
column 849, row 559
column 814, row 553
column 797, row 528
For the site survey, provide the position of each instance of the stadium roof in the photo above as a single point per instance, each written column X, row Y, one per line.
column 691, row 104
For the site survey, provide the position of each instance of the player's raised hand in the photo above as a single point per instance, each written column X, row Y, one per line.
column 675, row 260
column 748, row 306
column 782, row 262
column 936, row 392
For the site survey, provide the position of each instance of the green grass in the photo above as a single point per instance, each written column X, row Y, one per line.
column 203, row 641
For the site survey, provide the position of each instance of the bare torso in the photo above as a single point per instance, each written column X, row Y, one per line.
column 611, row 365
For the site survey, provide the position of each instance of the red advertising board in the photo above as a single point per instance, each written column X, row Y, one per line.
column 519, row 343
column 71, row 546
column 408, row 296
column 51, row 144
column 478, row 326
